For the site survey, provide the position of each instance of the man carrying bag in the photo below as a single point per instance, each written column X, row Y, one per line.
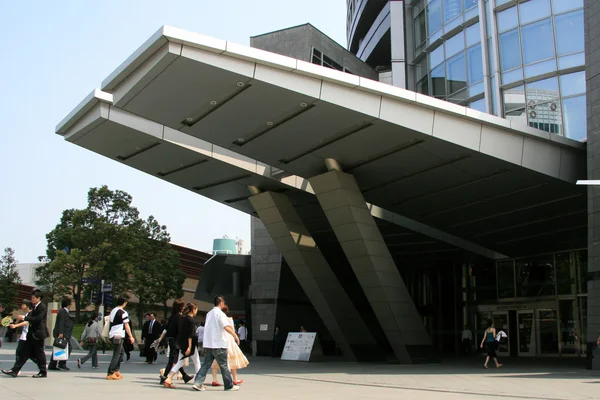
column 63, row 329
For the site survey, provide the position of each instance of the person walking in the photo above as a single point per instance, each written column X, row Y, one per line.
column 62, row 329
column 243, row 335
column 216, row 328
column 467, row 337
column 489, row 338
column 200, row 334
column 150, row 332
column 91, row 335
column 119, row 324
column 37, row 332
column 187, row 343
column 171, row 332
column 235, row 357
column 26, row 308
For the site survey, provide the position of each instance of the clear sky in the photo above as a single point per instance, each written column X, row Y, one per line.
column 54, row 53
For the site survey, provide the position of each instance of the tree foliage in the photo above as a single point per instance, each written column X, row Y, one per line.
column 9, row 278
column 109, row 241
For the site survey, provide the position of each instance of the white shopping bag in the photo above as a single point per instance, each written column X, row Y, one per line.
column 59, row 354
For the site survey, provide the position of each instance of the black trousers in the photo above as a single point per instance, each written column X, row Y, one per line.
column 62, row 363
column 31, row 349
column 150, row 352
column 173, row 358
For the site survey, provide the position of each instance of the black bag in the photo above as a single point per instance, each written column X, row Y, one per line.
column 61, row 343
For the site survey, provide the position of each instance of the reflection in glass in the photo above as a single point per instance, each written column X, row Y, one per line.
column 473, row 34
column 574, row 60
column 510, row 50
column 512, row 76
column 548, row 333
column 501, row 324
column 535, row 277
column 533, row 10
column 478, row 105
column 568, row 326
column 565, row 273
column 569, row 33
column 452, row 9
column 476, row 89
column 459, row 97
column 457, row 73
column 438, row 81
column 506, row 279
column 469, row 3
column 423, row 85
column 434, row 15
column 526, row 332
column 543, row 105
column 537, row 41
column 475, row 64
column 559, row 6
column 575, row 118
column 540, row 68
column 455, row 44
column 436, row 57
column 581, row 260
column 420, row 29
column 507, row 19
column 572, row 84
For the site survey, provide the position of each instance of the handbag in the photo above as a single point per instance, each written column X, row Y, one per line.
column 91, row 340
column 61, row 343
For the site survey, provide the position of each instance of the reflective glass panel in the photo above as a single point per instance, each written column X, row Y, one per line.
column 514, row 104
column 423, row 86
column 506, row 279
column 512, row 76
column 494, row 85
column 540, row 68
column 438, row 81
column 581, row 260
column 574, row 60
column 434, row 15
column 565, row 273
column 569, row 326
column 436, row 57
column 574, row 109
column 472, row 13
column 476, row 89
column 543, row 105
column 507, row 19
column 452, row 9
column 469, row 3
column 569, row 33
column 475, row 64
column 478, row 105
column 533, row 10
column 572, row 84
column 458, row 97
column 535, row 277
column 537, row 41
column 559, row 6
column 455, row 44
column 473, row 34
column 456, row 73
column 548, row 331
column 510, row 50
column 500, row 2
column 420, row 29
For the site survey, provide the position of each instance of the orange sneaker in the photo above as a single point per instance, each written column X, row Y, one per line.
column 112, row 377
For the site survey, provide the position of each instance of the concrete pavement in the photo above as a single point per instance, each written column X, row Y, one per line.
column 271, row 378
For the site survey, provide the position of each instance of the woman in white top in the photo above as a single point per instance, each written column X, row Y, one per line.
column 91, row 335
column 26, row 308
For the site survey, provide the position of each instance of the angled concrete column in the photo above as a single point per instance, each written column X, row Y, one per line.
column 314, row 275
column 359, row 236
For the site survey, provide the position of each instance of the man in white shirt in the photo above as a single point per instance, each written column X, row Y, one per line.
column 467, row 337
column 200, row 334
column 216, row 329
column 119, row 324
column 243, row 335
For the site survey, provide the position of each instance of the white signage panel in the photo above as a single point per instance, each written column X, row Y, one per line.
column 298, row 346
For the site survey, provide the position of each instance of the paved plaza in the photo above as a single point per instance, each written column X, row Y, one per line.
column 275, row 379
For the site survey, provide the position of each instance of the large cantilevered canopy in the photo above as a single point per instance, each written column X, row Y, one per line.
column 466, row 179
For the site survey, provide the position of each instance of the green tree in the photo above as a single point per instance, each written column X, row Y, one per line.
column 9, row 278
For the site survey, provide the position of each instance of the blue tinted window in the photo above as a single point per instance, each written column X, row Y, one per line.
column 510, row 50
column 475, row 64
column 456, row 73
column 559, row 6
column 438, row 81
column 572, row 84
column 507, row 19
column 500, row 2
column 571, row 61
column 494, row 86
column 533, row 10
column 470, row 3
column 537, row 41
column 434, row 16
column 452, row 9
column 436, row 57
column 478, row 105
column 473, row 34
column 574, row 117
column 455, row 44
column 512, row 76
column 569, row 32
column 540, row 68
column 476, row 89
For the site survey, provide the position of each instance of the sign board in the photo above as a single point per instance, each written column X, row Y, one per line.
column 107, row 287
column 299, row 346
column 264, row 327
column 88, row 280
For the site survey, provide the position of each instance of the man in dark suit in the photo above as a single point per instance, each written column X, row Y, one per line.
column 150, row 332
column 62, row 329
column 34, row 345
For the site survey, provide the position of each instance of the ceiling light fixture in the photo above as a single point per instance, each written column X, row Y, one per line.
column 213, row 102
column 241, row 84
column 270, row 123
column 303, row 105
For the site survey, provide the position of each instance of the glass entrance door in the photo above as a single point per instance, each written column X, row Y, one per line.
column 500, row 320
column 547, row 332
column 526, row 333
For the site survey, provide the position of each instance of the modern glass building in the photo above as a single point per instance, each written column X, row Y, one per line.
column 521, row 60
